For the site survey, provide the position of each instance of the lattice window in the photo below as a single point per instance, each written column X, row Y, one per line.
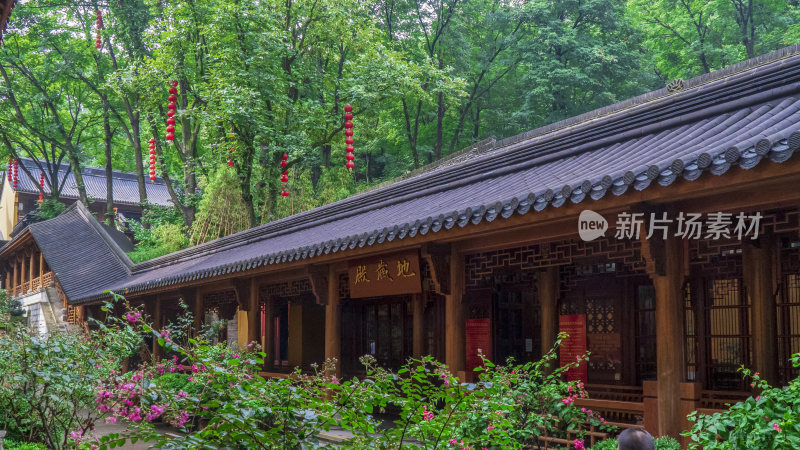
column 727, row 333
column 788, row 313
column 645, row 333
column 223, row 303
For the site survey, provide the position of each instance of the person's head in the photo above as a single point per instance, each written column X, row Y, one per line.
column 635, row 439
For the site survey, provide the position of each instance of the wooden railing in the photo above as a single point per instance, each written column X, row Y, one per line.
column 717, row 400
column 45, row 281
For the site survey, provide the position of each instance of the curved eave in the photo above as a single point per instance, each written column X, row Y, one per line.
column 615, row 184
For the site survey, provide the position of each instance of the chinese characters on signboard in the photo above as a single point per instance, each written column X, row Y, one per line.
column 385, row 275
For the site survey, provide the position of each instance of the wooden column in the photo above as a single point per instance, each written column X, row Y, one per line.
column 253, row 314
column 15, row 278
column 667, row 265
column 23, row 272
column 454, row 316
column 30, row 269
column 333, row 321
column 8, row 283
column 41, row 267
column 158, row 351
column 547, row 288
column 198, row 310
column 758, row 267
column 418, row 336
column 268, row 343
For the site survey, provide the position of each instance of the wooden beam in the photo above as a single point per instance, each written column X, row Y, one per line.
column 454, row 316
column 547, row 288
column 758, row 269
column 242, row 287
column 667, row 264
column 333, row 322
column 418, row 331
column 437, row 256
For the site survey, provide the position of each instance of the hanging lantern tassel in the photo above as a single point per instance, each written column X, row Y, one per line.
column 152, row 160
column 348, row 132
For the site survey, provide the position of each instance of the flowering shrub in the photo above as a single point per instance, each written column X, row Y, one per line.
column 46, row 383
column 771, row 419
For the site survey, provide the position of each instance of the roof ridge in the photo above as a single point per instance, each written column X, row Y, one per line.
column 747, row 87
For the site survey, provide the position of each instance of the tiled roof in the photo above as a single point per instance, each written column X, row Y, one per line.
column 738, row 116
column 80, row 252
column 126, row 188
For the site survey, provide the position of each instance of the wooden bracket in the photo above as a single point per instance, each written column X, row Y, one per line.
column 656, row 251
column 242, row 288
column 318, row 275
column 438, row 259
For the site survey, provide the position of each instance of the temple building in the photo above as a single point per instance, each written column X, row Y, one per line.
column 661, row 233
column 17, row 202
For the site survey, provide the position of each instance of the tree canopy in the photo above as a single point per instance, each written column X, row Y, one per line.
column 86, row 83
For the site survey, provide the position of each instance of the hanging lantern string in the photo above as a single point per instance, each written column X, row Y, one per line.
column 41, row 185
column 348, row 133
column 152, row 160
column 171, row 106
column 98, row 43
column 284, row 176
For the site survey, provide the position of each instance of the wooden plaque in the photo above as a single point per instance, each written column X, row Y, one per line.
column 393, row 274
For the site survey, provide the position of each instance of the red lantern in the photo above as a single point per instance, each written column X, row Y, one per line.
column 152, row 141
column 172, row 98
column 284, row 179
column 350, row 156
column 350, row 164
column 348, row 132
column 348, row 108
column 349, row 141
column 170, row 121
column 170, row 137
column 170, row 129
column 285, row 193
column 348, row 116
column 348, row 124
column 173, row 83
column 230, row 163
column 173, row 90
column 350, row 149
column 153, row 151
column 284, row 163
column 171, row 105
column 170, row 113
column 285, row 156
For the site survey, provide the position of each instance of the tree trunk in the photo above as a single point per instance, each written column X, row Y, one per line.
column 110, row 216
column 476, row 124
column 77, row 172
column 440, row 110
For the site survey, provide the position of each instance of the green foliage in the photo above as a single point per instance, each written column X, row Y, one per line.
column 10, row 310
column 768, row 420
column 49, row 208
column 9, row 444
column 166, row 234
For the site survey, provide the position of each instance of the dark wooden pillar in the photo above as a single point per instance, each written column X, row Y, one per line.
column 454, row 316
column 333, row 321
column 198, row 310
column 268, row 343
column 253, row 314
column 23, row 274
column 667, row 265
column 418, row 333
column 8, row 283
column 758, row 267
column 547, row 288
column 31, row 274
column 41, row 267
column 15, row 278
column 158, row 351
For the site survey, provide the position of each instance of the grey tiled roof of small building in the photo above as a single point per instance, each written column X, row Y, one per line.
column 126, row 188
column 738, row 116
column 82, row 255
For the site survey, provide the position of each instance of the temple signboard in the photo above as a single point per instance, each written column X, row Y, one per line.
column 393, row 274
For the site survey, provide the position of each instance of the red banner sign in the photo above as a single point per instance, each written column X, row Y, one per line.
column 574, row 346
column 478, row 336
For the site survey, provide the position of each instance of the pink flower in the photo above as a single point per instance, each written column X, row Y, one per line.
column 490, row 428
column 184, row 417
column 777, row 427
column 111, row 419
column 195, row 369
column 453, row 442
column 76, row 436
column 205, row 408
column 427, row 415
column 191, row 379
column 583, row 410
column 335, row 380
column 578, row 443
column 758, row 398
column 182, row 394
